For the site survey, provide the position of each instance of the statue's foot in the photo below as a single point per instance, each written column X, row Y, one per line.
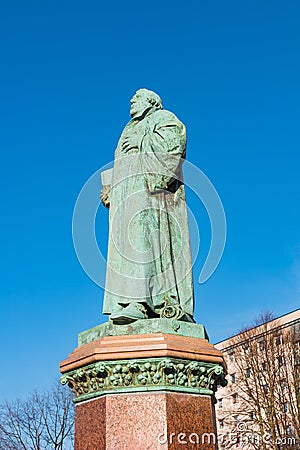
column 132, row 312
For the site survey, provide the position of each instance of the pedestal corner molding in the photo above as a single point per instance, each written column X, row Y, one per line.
column 144, row 375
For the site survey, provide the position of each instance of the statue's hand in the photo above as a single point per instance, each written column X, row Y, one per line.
column 130, row 142
column 104, row 196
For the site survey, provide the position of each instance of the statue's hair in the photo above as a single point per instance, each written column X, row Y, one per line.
column 152, row 97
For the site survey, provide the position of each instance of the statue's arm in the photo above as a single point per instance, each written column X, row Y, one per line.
column 164, row 152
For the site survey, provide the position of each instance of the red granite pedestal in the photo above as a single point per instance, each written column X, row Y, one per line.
column 146, row 421
column 141, row 392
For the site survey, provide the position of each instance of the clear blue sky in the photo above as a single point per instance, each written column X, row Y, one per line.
column 228, row 69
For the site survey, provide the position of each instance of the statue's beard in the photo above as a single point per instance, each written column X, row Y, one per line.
column 138, row 114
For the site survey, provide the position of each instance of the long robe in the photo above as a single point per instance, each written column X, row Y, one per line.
column 149, row 258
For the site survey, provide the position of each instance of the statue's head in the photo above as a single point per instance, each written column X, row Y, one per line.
column 142, row 101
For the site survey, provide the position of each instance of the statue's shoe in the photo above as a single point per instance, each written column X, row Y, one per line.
column 132, row 312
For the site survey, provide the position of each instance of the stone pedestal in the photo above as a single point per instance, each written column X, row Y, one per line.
column 144, row 390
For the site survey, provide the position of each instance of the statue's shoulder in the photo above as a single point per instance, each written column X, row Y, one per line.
column 163, row 115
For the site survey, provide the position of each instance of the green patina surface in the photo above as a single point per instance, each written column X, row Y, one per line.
column 148, row 374
column 143, row 327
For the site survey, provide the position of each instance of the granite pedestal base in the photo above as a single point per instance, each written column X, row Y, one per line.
column 147, row 390
column 146, row 421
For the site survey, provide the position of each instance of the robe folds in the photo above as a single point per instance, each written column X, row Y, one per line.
column 149, row 257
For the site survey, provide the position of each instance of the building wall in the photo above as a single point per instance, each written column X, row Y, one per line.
column 262, row 385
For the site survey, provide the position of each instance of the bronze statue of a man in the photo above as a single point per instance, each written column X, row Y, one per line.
column 149, row 269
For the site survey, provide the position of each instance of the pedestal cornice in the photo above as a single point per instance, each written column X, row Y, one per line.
column 143, row 362
column 142, row 346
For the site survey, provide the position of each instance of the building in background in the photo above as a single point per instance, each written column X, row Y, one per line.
column 260, row 406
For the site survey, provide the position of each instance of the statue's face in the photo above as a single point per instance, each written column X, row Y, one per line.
column 139, row 104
